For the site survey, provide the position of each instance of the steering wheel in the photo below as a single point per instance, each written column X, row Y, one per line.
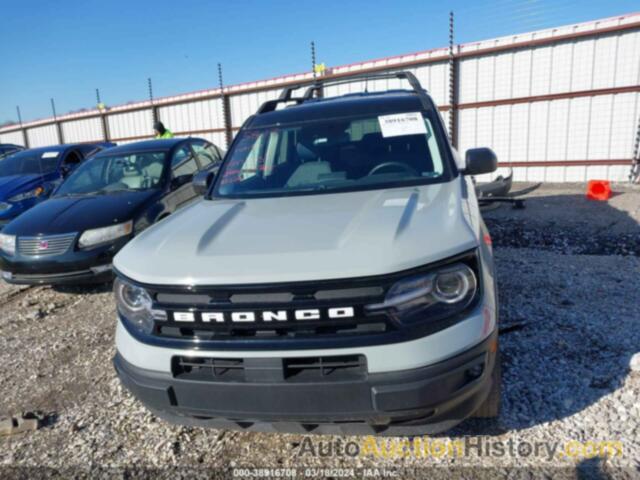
column 402, row 166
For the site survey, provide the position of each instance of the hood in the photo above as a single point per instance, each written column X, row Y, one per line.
column 77, row 213
column 14, row 184
column 300, row 238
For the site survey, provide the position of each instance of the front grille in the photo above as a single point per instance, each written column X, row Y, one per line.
column 293, row 370
column 282, row 304
column 45, row 245
column 275, row 316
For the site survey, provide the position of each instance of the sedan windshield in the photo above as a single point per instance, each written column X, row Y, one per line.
column 115, row 173
column 334, row 155
column 29, row 163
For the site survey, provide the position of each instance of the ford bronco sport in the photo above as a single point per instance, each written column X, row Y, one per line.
column 337, row 277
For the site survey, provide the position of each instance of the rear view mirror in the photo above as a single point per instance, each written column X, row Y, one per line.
column 479, row 161
column 202, row 181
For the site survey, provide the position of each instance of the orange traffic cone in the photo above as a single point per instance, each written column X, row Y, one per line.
column 598, row 190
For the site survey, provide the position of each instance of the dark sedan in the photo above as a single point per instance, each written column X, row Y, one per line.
column 72, row 237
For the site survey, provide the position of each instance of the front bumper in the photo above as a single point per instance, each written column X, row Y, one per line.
column 71, row 268
column 99, row 274
column 434, row 397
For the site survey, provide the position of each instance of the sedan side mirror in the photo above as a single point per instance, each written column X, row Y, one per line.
column 479, row 161
column 179, row 181
column 202, row 181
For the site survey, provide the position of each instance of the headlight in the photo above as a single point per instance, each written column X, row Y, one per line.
column 97, row 236
column 431, row 296
column 36, row 192
column 8, row 243
column 135, row 304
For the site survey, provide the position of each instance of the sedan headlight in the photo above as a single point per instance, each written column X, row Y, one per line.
column 36, row 192
column 8, row 243
column 97, row 236
column 135, row 305
column 431, row 296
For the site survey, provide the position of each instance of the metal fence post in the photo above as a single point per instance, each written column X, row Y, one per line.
column 154, row 109
column 25, row 137
column 634, row 175
column 103, row 117
column 226, row 109
column 57, row 123
column 314, row 67
column 453, row 87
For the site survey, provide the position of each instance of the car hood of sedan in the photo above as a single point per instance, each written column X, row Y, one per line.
column 68, row 214
column 14, row 184
column 301, row 238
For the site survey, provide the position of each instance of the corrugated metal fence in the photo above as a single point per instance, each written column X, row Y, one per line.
column 557, row 105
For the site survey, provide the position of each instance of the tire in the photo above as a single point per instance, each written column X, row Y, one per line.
column 491, row 406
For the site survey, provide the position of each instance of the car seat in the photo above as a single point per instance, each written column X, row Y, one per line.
column 310, row 168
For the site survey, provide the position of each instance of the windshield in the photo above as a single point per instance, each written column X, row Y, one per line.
column 116, row 173
column 29, row 163
column 334, row 155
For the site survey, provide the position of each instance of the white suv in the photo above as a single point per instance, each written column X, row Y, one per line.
column 337, row 277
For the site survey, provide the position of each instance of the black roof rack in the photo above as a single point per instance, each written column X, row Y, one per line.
column 319, row 84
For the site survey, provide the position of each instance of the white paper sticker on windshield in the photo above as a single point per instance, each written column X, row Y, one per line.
column 399, row 124
column 50, row 154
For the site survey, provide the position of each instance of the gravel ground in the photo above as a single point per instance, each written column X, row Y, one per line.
column 568, row 278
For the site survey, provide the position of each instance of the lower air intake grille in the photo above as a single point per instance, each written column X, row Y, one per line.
column 294, row 370
column 198, row 368
column 333, row 368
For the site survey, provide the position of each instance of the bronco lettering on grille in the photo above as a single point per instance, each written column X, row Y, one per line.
column 266, row 315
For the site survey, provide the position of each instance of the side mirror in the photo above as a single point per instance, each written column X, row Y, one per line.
column 177, row 182
column 202, row 181
column 479, row 161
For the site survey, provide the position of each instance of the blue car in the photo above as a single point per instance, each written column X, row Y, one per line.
column 28, row 177
column 7, row 149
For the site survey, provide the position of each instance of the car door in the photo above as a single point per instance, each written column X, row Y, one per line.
column 71, row 159
column 207, row 154
column 183, row 166
column 90, row 150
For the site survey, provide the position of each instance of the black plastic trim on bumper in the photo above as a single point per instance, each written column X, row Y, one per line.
column 437, row 396
column 69, row 278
